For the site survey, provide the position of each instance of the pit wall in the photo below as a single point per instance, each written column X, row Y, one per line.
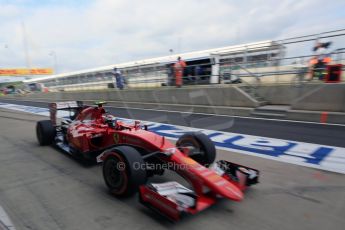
column 327, row 97
column 202, row 96
column 313, row 97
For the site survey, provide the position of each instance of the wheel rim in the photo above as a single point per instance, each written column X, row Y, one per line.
column 115, row 178
column 193, row 146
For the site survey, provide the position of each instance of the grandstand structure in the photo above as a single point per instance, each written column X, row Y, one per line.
column 211, row 65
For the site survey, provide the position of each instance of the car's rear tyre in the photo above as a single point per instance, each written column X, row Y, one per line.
column 124, row 171
column 45, row 132
column 201, row 148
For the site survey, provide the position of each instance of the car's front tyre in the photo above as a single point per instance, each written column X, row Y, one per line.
column 124, row 171
column 45, row 132
column 201, row 148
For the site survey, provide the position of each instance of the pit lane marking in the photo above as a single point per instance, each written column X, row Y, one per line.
column 323, row 157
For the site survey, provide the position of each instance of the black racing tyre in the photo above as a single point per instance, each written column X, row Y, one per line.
column 45, row 132
column 202, row 148
column 124, row 171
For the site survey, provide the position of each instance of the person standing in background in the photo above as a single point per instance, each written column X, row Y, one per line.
column 321, row 59
column 118, row 78
column 179, row 67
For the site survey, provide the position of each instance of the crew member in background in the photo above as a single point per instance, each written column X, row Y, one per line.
column 118, row 79
column 320, row 60
column 179, row 67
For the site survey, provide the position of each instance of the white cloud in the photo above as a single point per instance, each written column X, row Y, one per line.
column 108, row 32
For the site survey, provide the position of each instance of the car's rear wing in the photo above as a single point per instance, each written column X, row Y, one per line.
column 64, row 105
column 67, row 105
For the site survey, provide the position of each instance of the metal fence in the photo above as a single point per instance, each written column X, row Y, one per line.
column 290, row 66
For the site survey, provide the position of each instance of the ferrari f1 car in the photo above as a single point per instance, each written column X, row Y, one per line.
column 131, row 154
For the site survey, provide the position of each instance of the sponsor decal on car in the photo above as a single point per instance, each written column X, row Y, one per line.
column 116, row 138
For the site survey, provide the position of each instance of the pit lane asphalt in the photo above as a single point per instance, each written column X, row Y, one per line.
column 42, row 188
column 299, row 131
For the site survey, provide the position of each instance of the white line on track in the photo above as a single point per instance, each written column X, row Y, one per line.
column 221, row 115
column 214, row 115
column 5, row 221
column 323, row 157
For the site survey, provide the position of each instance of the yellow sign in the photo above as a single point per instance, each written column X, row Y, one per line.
column 20, row 72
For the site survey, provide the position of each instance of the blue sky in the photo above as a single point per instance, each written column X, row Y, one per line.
column 87, row 34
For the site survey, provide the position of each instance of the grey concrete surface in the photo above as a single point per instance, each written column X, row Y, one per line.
column 284, row 94
column 202, row 96
column 316, row 116
column 218, row 95
column 224, row 110
column 330, row 97
column 307, row 101
column 284, row 129
column 220, row 99
column 42, row 188
column 312, row 97
column 299, row 115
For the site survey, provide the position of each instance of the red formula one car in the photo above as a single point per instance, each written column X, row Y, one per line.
column 131, row 153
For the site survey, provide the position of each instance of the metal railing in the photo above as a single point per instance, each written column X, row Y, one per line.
column 249, row 73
